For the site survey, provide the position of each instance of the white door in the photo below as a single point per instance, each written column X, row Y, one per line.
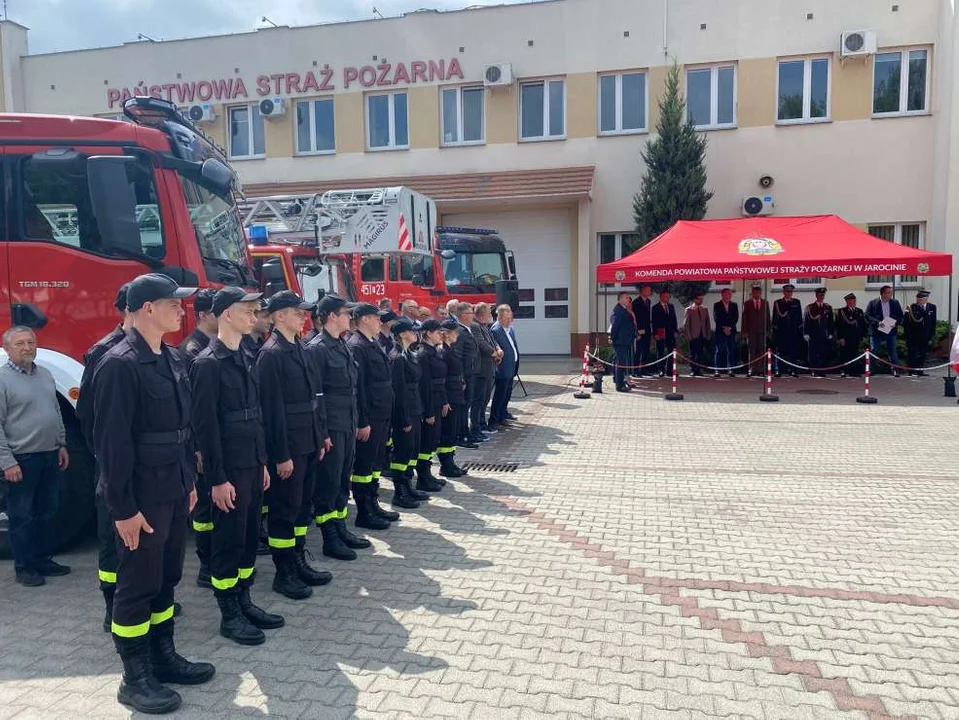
column 541, row 240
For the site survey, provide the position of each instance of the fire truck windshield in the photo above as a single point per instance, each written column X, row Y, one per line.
column 479, row 270
column 218, row 232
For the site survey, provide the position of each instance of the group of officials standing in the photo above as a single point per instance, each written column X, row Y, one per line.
column 250, row 418
column 785, row 328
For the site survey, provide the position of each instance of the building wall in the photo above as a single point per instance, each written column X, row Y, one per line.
column 867, row 170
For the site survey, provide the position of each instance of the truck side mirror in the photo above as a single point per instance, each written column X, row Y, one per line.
column 417, row 279
column 216, row 174
column 114, row 202
column 272, row 277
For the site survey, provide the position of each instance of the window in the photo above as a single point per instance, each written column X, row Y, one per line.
column 900, row 83
column 543, row 110
column 622, row 103
column 711, row 96
column 372, row 270
column 403, row 268
column 908, row 234
column 467, row 271
column 809, row 283
column 387, row 121
column 615, row 246
column 247, row 139
column 56, row 206
column 464, row 116
column 315, row 127
column 803, row 90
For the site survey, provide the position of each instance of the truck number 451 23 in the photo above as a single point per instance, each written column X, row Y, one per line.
column 376, row 289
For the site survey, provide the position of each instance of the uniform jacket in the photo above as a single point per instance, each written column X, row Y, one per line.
column 142, row 432
column 508, row 367
column 374, row 389
column 756, row 320
column 665, row 325
column 486, row 346
column 725, row 316
column 818, row 322
column 874, row 312
column 851, row 325
column 920, row 323
column 787, row 318
column 434, row 373
column 455, row 382
column 622, row 326
column 90, row 360
column 338, row 375
column 386, row 342
column 696, row 322
column 407, row 402
column 226, row 412
column 294, row 415
column 467, row 350
column 195, row 343
column 642, row 311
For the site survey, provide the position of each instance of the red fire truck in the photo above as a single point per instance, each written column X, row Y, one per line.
column 87, row 205
column 373, row 243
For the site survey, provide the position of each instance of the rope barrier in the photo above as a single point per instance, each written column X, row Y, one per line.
column 692, row 362
column 768, row 395
column 906, row 367
column 866, row 398
column 629, row 367
column 820, row 369
column 581, row 393
column 675, row 394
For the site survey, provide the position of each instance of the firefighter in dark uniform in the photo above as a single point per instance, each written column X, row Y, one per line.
column 407, row 411
column 336, row 367
column 818, row 332
column 374, row 406
column 230, row 440
column 433, row 397
column 144, row 443
column 385, row 336
column 455, row 397
column 251, row 344
column 920, row 329
column 195, row 343
column 851, row 327
column 787, row 326
column 294, row 425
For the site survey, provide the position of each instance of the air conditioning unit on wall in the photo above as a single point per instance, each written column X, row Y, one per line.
column 498, row 75
column 202, row 113
column 755, row 205
column 272, row 107
column 856, row 43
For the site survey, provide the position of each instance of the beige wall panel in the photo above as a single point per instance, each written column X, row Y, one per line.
column 424, row 109
column 278, row 134
column 502, row 118
column 581, row 99
column 657, row 85
column 757, row 92
column 350, row 121
column 852, row 89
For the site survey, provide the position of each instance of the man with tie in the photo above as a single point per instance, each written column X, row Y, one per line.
column 726, row 316
column 818, row 331
column 622, row 335
column 756, row 328
column 920, row 329
column 642, row 309
column 698, row 330
column 665, row 326
column 851, row 328
column 880, row 312
column 787, row 323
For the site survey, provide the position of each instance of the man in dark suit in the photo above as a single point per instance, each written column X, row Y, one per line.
column 508, row 367
column 489, row 355
column 885, row 307
column 725, row 317
column 818, row 332
column 467, row 351
column 642, row 311
column 851, row 328
column 756, row 329
column 622, row 335
column 665, row 326
column 787, row 328
column 920, row 329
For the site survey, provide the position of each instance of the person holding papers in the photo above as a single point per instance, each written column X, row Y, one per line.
column 885, row 316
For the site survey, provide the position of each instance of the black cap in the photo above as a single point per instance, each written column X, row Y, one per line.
column 850, row 296
column 121, row 302
column 364, row 309
column 923, row 294
column 449, row 325
column 387, row 316
column 152, row 287
column 757, row 286
column 203, row 301
column 402, row 325
column 228, row 296
column 287, row 299
column 331, row 303
column 820, row 291
column 430, row 325
column 789, row 286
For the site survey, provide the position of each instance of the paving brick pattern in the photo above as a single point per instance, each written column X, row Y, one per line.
column 718, row 557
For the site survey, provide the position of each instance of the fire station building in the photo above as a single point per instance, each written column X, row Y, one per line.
column 532, row 118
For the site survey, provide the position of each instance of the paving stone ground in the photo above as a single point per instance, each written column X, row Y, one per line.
column 716, row 557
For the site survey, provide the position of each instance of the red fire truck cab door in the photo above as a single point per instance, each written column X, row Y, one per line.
column 4, row 247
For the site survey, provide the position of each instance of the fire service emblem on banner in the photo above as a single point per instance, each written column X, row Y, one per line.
column 759, row 246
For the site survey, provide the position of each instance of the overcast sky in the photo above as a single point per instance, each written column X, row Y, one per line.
column 70, row 24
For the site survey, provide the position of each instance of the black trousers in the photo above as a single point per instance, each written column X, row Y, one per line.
column 847, row 352
column 502, row 393
column 641, row 355
column 333, row 474
column 819, row 350
column 449, row 430
column 430, row 436
column 203, row 520
column 147, row 576
column 406, row 447
column 370, row 455
column 236, row 533
column 697, row 353
column 107, row 540
column 916, row 354
column 664, row 348
column 481, row 395
column 472, row 385
column 285, row 500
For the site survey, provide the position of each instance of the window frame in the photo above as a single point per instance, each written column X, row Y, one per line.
column 251, row 139
column 714, row 69
column 903, row 110
column 459, row 89
column 391, row 111
column 619, row 130
column 807, row 119
column 546, row 108
column 896, row 280
column 613, row 288
column 309, row 102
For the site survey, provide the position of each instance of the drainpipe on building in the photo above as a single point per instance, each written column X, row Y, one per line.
column 665, row 28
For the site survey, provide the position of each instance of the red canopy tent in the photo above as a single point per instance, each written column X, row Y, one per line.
column 769, row 247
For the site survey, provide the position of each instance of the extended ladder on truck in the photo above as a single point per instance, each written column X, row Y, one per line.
column 366, row 220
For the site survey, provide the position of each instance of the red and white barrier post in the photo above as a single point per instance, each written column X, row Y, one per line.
column 768, row 396
column 675, row 394
column 866, row 398
column 581, row 393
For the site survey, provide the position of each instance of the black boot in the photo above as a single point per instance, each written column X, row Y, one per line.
column 457, row 468
column 108, row 602
column 139, row 687
column 234, row 625
column 333, row 544
column 424, row 480
column 352, row 541
column 203, row 577
column 257, row 616
column 365, row 517
column 307, row 574
column 447, row 468
column 287, row 580
column 402, row 497
column 428, row 468
column 418, row 495
column 171, row 667
column 381, row 511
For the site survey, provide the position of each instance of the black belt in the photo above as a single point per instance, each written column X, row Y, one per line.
column 340, row 394
column 440, row 383
column 297, row 408
column 173, row 437
column 241, row 415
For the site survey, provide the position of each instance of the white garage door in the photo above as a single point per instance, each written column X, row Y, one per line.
column 542, row 243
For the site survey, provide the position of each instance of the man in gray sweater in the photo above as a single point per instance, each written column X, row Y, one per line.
column 32, row 454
